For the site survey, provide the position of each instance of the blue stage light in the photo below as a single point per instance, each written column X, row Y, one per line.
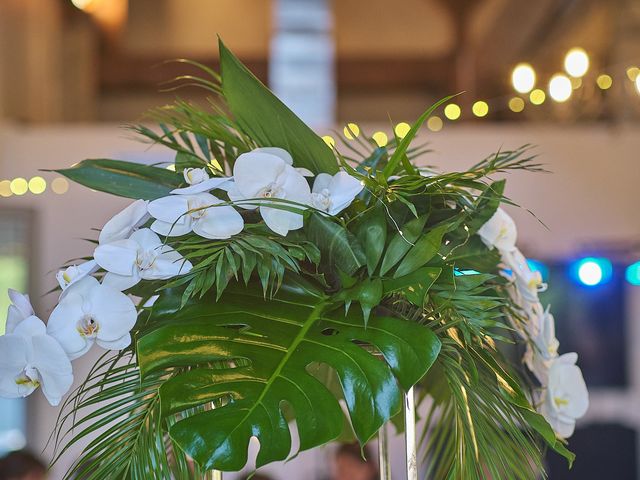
column 592, row 271
column 633, row 273
column 538, row 266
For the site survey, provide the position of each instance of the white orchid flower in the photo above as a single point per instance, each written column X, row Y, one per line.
column 527, row 283
column 265, row 174
column 543, row 346
column 74, row 273
column 30, row 359
column 201, row 213
column 223, row 183
column 193, row 176
column 125, row 222
column 142, row 256
column 566, row 397
column 92, row 313
column 332, row 194
column 499, row 232
column 19, row 309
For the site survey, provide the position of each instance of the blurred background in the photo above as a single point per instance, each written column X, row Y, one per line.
column 562, row 75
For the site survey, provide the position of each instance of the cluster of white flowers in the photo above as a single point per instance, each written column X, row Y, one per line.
column 91, row 311
column 563, row 397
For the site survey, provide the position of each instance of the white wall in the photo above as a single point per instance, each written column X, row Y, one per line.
column 591, row 196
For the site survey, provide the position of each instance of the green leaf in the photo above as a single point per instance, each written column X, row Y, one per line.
column 423, row 251
column 269, row 121
column 369, row 296
column 540, row 425
column 269, row 347
column 486, row 205
column 402, row 242
column 338, row 247
column 371, row 231
column 187, row 160
column 124, row 179
column 422, row 279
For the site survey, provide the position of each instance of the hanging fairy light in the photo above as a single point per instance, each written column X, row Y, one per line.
column 523, row 78
column 576, row 62
column 604, row 81
column 560, row 88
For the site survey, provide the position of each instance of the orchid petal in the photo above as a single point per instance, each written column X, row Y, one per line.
column 113, row 311
column 255, row 171
column 21, row 301
column 53, row 366
column 123, row 223
column 322, row 182
column 118, row 257
column 281, row 221
column 170, row 229
column 75, row 273
column 219, row 223
column 63, row 323
column 223, row 183
column 117, row 344
column 343, row 190
column 278, row 152
column 171, row 209
column 121, row 282
column 30, row 327
column 13, row 360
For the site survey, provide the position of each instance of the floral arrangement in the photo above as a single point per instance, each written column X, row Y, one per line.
column 269, row 277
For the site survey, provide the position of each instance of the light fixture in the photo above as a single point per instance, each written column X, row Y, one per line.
column 434, row 123
column 452, row 111
column 402, row 129
column 592, row 271
column 537, row 96
column 351, row 131
column 560, row 88
column 576, row 62
column 632, row 274
column 516, row 104
column 523, row 78
column 380, row 138
column 480, row 108
column 604, row 81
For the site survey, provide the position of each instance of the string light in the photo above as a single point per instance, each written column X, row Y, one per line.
column 576, row 62
column 19, row 186
column 59, row 185
column 5, row 188
column 351, row 131
column 560, row 88
column 434, row 123
column 523, row 78
column 37, row 185
column 632, row 73
column 329, row 140
column 452, row 111
column 380, row 138
column 604, row 81
column 480, row 108
column 537, row 96
column 516, row 104
column 402, row 129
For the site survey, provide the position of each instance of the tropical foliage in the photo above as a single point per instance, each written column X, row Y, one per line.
column 266, row 298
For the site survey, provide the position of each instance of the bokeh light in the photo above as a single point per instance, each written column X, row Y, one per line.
column 516, row 104
column 537, row 96
column 560, row 88
column 5, row 188
column 632, row 274
column 452, row 111
column 37, row 185
column 402, row 129
column 523, row 78
column 329, row 140
column 59, row 185
column 604, row 81
column 576, row 62
column 592, row 271
column 632, row 73
column 480, row 108
column 638, row 83
column 380, row 138
column 19, row 186
column 434, row 123
column 82, row 4
column 351, row 131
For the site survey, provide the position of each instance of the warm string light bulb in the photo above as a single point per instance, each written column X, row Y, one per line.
column 576, row 62
column 523, row 78
column 560, row 88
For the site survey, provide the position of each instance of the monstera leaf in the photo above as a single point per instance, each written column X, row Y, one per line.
column 271, row 347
